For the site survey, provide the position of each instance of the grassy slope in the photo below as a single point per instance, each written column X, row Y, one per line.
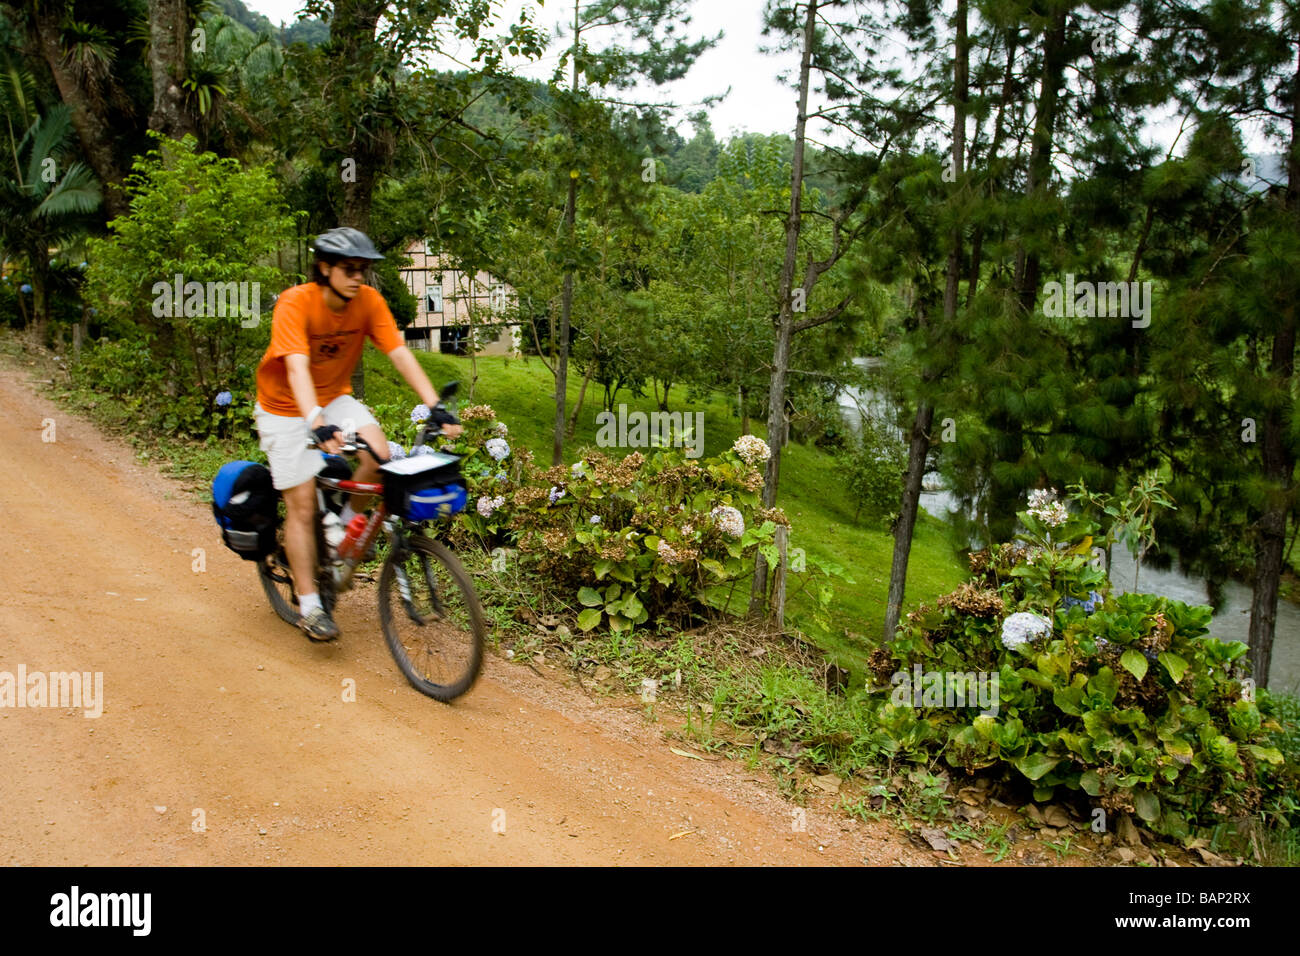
column 521, row 392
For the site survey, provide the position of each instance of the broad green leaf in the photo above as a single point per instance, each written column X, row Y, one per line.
column 1133, row 662
column 1267, row 754
column 1035, row 765
column 590, row 597
column 1090, row 780
column 1174, row 664
column 1148, row 806
column 589, row 618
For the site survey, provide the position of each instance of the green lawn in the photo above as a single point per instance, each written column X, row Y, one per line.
column 521, row 392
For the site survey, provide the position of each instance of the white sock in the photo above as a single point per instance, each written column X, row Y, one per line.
column 308, row 603
column 347, row 514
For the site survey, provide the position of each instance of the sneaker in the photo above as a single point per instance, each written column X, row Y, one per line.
column 318, row 625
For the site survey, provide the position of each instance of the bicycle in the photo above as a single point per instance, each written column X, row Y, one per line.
column 429, row 612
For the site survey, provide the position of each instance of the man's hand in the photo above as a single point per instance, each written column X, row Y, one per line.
column 450, row 424
column 326, row 439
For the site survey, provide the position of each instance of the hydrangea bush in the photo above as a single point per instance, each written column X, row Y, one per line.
column 643, row 538
column 1123, row 697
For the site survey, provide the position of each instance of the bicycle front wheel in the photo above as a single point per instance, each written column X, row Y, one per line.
column 432, row 618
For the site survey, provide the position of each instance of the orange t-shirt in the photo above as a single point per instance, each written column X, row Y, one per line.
column 303, row 324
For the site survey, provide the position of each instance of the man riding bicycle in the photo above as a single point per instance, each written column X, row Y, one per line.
column 304, row 392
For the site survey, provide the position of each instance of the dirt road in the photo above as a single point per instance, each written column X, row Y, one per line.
column 225, row 737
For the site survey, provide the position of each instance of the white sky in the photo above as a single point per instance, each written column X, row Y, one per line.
column 758, row 102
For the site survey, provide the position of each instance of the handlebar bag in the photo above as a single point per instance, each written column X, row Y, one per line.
column 424, row 487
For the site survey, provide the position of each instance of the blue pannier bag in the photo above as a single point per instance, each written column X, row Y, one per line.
column 244, row 503
column 430, row 504
column 424, row 487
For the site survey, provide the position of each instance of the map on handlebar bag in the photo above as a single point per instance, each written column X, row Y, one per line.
column 418, row 464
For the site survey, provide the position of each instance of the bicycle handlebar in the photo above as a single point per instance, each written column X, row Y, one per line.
column 358, row 443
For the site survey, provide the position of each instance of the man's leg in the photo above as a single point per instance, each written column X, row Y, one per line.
column 367, row 466
column 300, row 535
column 293, row 470
column 350, row 415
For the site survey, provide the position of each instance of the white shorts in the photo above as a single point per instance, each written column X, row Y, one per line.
column 284, row 439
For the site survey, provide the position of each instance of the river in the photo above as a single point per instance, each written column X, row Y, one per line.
column 1231, row 620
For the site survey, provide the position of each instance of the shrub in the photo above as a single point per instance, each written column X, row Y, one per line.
column 1124, row 697
column 211, row 221
column 872, row 467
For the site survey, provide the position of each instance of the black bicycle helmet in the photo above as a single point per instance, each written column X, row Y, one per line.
column 346, row 243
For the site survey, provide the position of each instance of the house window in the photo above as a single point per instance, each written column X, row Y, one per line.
column 433, row 298
column 417, row 337
column 498, row 298
column 455, row 340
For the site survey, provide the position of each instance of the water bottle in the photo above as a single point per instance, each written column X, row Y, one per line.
column 349, row 546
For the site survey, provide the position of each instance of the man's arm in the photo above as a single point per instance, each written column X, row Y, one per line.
column 298, row 367
column 408, row 366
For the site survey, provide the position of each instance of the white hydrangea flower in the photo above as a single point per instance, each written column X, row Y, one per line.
column 751, row 449
column 497, row 448
column 1021, row 628
column 577, row 470
column 1044, row 506
column 501, row 429
column 729, row 519
column 594, row 519
column 668, row 554
column 486, row 506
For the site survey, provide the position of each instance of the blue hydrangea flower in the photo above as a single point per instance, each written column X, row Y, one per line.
column 422, row 450
column 497, row 448
column 223, row 399
column 556, row 494
column 395, row 451
column 25, row 287
column 1089, row 604
column 419, row 413
column 500, row 476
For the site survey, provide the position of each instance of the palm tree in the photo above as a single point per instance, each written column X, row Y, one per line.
column 46, row 202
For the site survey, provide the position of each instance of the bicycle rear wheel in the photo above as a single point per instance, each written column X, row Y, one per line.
column 277, row 581
column 432, row 618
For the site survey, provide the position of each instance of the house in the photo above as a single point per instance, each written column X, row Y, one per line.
column 455, row 310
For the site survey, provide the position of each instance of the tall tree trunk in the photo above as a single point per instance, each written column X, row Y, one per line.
column 919, row 446
column 785, row 309
column 566, row 294
column 169, row 37
column 1040, row 154
column 999, row 132
column 1278, row 459
column 582, row 390
column 92, row 127
column 352, row 42
column 566, row 312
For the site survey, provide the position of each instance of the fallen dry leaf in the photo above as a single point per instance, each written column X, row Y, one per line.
column 683, row 753
column 828, row 782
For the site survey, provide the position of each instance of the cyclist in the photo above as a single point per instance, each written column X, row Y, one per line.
column 318, row 332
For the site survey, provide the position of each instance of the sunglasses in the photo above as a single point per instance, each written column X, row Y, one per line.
column 350, row 270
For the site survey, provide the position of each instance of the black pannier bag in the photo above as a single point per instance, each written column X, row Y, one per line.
column 244, row 503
